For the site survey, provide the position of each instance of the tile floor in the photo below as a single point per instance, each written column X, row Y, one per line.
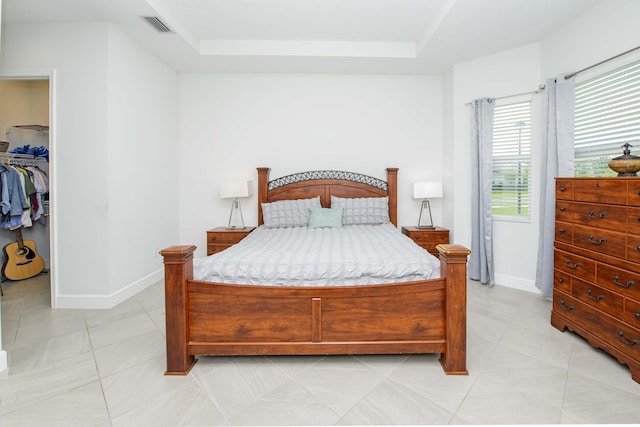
column 105, row 368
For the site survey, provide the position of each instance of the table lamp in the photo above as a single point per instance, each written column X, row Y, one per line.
column 235, row 190
column 425, row 191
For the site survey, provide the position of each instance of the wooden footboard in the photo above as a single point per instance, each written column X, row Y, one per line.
column 206, row 318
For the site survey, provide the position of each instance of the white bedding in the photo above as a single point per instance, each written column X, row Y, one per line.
column 301, row 256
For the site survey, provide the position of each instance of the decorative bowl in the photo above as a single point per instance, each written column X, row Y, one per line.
column 627, row 164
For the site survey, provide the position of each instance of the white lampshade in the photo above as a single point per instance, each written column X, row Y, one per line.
column 232, row 189
column 427, row 190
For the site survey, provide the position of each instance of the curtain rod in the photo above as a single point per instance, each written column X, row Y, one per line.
column 568, row 76
column 533, row 92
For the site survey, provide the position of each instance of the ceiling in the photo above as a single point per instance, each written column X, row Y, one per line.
column 320, row 36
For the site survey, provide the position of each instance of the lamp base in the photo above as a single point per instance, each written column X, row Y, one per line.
column 425, row 220
column 236, row 221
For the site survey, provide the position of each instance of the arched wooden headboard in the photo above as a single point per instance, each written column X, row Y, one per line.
column 324, row 183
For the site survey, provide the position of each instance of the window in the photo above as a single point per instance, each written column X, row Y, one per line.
column 511, row 160
column 607, row 116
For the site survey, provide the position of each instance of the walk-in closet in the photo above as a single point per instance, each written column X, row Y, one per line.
column 24, row 170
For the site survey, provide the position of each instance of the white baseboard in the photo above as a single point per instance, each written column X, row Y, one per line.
column 109, row 301
column 517, row 283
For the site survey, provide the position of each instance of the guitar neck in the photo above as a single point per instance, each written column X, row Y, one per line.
column 19, row 238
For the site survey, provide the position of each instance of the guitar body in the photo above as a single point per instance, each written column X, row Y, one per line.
column 22, row 261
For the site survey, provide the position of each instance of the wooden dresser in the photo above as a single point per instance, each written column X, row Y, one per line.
column 597, row 264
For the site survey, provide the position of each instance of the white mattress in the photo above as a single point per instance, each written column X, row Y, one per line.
column 301, row 256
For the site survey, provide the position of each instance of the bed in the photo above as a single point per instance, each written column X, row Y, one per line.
column 210, row 318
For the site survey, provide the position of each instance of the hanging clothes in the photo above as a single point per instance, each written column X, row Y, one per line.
column 21, row 196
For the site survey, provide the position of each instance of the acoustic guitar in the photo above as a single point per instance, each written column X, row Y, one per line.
column 22, row 261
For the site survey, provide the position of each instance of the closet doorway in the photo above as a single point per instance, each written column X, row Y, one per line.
column 25, row 120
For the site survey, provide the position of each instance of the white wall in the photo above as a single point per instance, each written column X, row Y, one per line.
column 607, row 29
column 96, row 134
column 142, row 153
column 23, row 102
column 232, row 123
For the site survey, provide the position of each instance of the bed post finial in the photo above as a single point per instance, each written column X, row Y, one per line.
column 392, row 190
column 263, row 190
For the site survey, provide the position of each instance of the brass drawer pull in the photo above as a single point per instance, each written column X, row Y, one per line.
column 568, row 264
column 560, row 280
column 562, row 209
column 564, row 307
column 213, row 237
column 623, row 285
column 597, row 242
column 598, row 298
column 636, row 315
column 564, row 189
column 561, row 230
column 626, row 341
column 602, row 215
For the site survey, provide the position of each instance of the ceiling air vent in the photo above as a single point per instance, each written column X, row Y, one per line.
column 156, row 23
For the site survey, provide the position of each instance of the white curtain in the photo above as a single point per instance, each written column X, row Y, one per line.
column 481, row 258
column 557, row 160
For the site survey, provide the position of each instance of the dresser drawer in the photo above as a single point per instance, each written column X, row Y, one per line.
column 611, row 331
column 613, row 217
column 561, row 281
column 597, row 297
column 633, row 248
column 564, row 189
column 575, row 265
column 633, row 192
column 632, row 312
column 605, row 190
column 607, row 242
column 564, row 210
column 633, row 220
column 564, row 232
column 625, row 282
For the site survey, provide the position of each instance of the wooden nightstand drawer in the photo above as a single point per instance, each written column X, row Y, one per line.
column 221, row 238
column 427, row 238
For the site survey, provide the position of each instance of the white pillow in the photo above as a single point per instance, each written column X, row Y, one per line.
column 288, row 213
column 363, row 210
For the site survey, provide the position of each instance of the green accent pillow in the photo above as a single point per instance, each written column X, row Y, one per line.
column 325, row 217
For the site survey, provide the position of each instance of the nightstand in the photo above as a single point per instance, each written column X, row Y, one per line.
column 428, row 238
column 220, row 238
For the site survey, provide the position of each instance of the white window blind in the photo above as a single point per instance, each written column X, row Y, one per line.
column 607, row 116
column 511, row 160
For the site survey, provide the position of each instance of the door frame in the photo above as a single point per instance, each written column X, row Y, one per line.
column 53, row 224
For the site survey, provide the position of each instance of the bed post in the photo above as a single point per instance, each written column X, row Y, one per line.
column 178, row 268
column 263, row 190
column 392, row 191
column 453, row 267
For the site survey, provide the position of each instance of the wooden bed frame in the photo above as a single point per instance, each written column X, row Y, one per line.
column 207, row 318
